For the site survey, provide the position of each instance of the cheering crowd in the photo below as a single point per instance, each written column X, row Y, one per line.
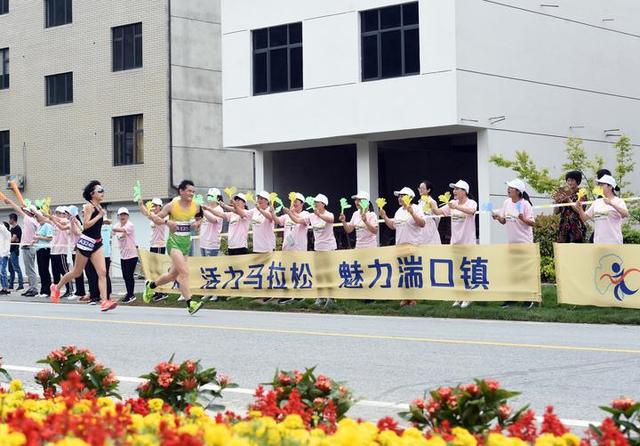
column 45, row 239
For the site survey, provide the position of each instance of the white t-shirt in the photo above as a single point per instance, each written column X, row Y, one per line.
column 607, row 221
column 463, row 226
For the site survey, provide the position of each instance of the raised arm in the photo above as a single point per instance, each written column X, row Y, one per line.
column 348, row 227
column 17, row 208
column 387, row 221
column 416, row 216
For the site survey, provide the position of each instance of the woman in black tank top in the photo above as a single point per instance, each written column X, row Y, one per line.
column 89, row 247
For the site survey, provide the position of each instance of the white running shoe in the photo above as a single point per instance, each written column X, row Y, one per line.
column 456, row 303
column 72, row 297
column 182, row 298
column 43, row 295
column 465, row 304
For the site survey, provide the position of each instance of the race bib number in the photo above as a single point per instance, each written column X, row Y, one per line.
column 183, row 228
column 86, row 243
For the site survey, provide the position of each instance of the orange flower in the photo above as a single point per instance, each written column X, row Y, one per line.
column 623, row 403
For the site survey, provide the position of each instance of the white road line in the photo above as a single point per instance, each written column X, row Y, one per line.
column 241, row 391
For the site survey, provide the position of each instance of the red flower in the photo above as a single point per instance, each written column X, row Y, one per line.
column 472, row 389
column 551, row 424
column 57, row 355
column 189, row 384
column 144, row 387
column 43, row 375
column 433, row 407
column 284, row 379
column 165, row 380
column 420, row 404
column 190, row 367
column 389, row 424
column 298, row 376
column 109, row 380
column 223, row 379
column 623, row 404
column 323, row 383
column 611, row 435
column 504, row 411
column 493, row 385
column 444, row 392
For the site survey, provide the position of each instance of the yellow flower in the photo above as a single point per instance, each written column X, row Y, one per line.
column 105, row 402
column 71, row 442
column 156, row 404
column 216, row 435
column 549, row 440
column 255, row 414
column 571, row 439
column 15, row 385
column 196, row 411
column 436, row 441
column 190, row 429
column 293, row 422
column 11, row 439
column 463, row 437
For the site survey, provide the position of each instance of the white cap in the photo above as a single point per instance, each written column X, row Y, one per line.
column 157, row 201
column 123, row 211
column 31, row 208
column 241, row 196
column 214, row 192
column 263, row 194
column 517, row 184
column 607, row 179
column 300, row 197
column 61, row 209
column 361, row 195
column 320, row 198
column 405, row 191
column 461, row 184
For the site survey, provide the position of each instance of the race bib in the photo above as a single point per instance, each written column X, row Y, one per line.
column 183, row 228
column 86, row 243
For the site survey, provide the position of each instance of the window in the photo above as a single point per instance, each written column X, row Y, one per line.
column 4, row 6
column 128, row 139
column 4, row 152
column 4, row 68
column 57, row 12
column 390, row 42
column 277, row 59
column 127, row 47
column 59, row 88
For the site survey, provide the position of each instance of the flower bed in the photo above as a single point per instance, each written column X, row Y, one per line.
column 301, row 408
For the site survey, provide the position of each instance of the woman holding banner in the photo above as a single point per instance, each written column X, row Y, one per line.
column 408, row 222
column 607, row 213
column 237, row 238
column 363, row 221
column 462, row 211
column 517, row 217
column 430, row 234
column 321, row 222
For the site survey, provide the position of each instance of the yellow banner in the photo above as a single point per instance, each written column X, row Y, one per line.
column 600, row 275
column 445, row 272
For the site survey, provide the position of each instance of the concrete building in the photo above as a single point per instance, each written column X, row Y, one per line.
column 379, row 94
column 120, row 91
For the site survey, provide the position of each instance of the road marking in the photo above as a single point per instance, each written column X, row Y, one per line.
column 466, row 342
column 241, row 391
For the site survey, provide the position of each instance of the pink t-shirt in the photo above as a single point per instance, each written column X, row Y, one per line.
column 74, row 232
column 364, row 237
column 607, row 221
column 463, row 226
column 517, row 230
column 430, row 234
column 29, row 228
column 158, row 236
column 210, row 232
column 264, row 239
column 295, row 235
column 322, row 232
column 127, row 241
column 238, row 230
column 407, row 230
column 61, row 240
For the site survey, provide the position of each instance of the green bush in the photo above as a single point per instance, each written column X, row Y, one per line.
column 547, row 269
column 630, row 235
column 545, row 232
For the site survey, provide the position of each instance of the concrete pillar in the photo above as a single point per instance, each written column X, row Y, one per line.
column 263, row 171
column 367, row 168
column 484, row 184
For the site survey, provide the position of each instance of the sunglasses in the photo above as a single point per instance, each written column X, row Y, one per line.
column 99, row 190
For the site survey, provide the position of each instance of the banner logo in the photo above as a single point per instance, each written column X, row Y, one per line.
column 611, row 273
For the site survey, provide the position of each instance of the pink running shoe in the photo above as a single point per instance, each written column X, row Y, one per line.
column 108, row 305
column 55, row 293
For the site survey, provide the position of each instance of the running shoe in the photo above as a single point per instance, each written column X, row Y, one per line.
column 72, row 297
column 182, row 298
column 465, row 303
column 128, row 299
column 456, row 303
column 107, row 305
column 159, row 297
column 85, row 298
column 55, row 294
column 148, row 292
column 285, row 301
column 194, row 307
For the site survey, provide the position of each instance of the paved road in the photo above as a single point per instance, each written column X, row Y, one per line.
column 384, row 359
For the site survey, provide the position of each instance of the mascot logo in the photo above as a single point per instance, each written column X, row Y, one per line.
column 611, row 276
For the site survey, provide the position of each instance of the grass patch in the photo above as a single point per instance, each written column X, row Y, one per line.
column 549, row 311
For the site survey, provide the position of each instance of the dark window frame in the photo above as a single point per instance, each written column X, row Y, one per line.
column 51, row 11
column 5, row 152
column 269, row 50
column 120, row 135
column 119, row 35
column 59, row 89
column 378, row 34
column 4, row 7
column 4, row 69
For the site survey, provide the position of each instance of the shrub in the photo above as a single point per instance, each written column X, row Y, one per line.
column 79, row 366
column 477, row 407
column 181, row 385
column 630, row 235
